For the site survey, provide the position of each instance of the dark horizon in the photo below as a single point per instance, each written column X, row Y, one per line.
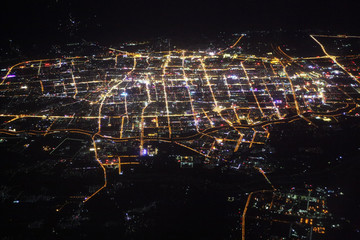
column 108, row 21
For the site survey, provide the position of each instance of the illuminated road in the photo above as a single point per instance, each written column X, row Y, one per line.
column 333, row 58
column 206, row 102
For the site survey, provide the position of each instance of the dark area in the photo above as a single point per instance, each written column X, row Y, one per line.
column 165, row 202
column 34, row 24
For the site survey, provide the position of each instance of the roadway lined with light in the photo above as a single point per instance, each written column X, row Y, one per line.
column 292, row 88
column 208, row 82
column 99, row 130
column 165, row 93
column 252, row 88
column 188, row 91
column 333, row 58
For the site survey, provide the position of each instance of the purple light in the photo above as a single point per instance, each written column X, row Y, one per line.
column 9, row 76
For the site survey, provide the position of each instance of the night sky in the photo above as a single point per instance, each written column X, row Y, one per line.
column 49, row 20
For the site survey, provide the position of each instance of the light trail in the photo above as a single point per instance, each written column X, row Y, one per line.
column 336, row 36
column 208, row 83
column 292, row 88
column 286, row 55
column 125, row 102
column 232, row 46
column 28, row 62
column 211, row 122
column 244, row 215
column 39, row 69
column 157, row 121
column 252, row 89
column 253, row 138
column 211, row 148
column 273, row 70
column 119, row 159
column 49, row 128
column 263, row 173
column 99, row 130
column 13, row 119
column 130, row 163
column 142, row 130
column 122, row 127
column 147, row 88
column 103, row 100
column 227, row 86
column 63, row 84
column 74, row 82
column 308, row 120
column 42, row 87
column 249, row 198
column 116, row 60
column 271, row 98
column 238, row 143
column 102, row 167
column 165, row 93
column 122, row 163
column 333, row 58
column 345, row 93
column 218, row 111
column 188, row 91
column 245, row 211
column 190, row 148
column 115, row 86
column 236, row 115
column 62, row 206
column 9, row 71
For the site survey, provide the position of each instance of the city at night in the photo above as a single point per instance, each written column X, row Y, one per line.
column 180, row 120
